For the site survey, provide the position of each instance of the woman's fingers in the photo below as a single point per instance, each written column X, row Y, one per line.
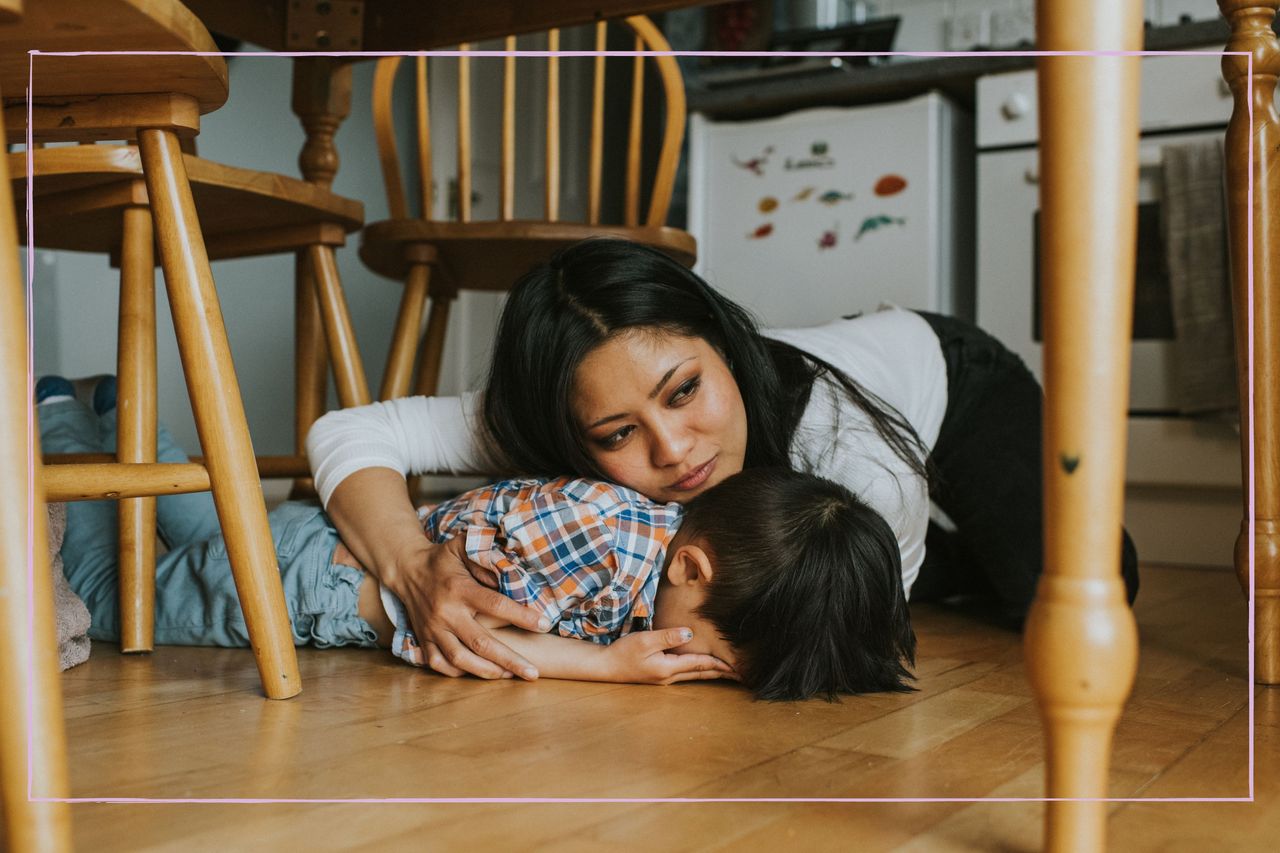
column 485, row 600
column 433, row 658
column 454, row 655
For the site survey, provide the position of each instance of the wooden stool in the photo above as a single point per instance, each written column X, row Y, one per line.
column 491, row 255
column 91, row 97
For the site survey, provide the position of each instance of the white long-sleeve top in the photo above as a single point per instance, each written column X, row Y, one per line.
column 891, row 353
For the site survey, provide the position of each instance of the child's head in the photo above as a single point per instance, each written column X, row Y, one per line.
column 794, row 581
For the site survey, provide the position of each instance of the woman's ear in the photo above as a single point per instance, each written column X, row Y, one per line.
column 690, row 564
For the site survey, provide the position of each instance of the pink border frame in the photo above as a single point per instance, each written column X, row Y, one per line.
column 31, row 598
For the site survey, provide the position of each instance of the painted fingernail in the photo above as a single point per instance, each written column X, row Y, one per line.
column 506, row 674
column 544, row 624
column 530, row 673
column 686, row 634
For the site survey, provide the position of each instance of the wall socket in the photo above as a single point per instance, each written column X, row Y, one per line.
column 969, row 30
column 1015, row 28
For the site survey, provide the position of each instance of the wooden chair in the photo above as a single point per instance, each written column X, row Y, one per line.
column 445, row 256
column 33, row 761
column 158, row 100
column 80, row 198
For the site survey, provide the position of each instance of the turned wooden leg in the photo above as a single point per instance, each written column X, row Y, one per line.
column 433, row 345
column 1081, row 639
column 219, row 412
column 136, row 419
column 33, row 754
column 310, row 360
column 348, row 368
column 398, row 376
column 1251, row 32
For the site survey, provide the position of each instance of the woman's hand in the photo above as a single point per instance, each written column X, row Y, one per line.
column 443, row 599
column 377, row 522
column 642, row 658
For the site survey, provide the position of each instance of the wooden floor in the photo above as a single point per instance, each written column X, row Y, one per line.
column 189, row 723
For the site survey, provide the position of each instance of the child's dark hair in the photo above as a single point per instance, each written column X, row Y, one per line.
column 807, row 585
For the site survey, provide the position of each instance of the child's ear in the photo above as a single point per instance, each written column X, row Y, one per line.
column 690, row 564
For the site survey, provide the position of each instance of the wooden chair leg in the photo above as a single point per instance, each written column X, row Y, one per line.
column 1251, row 32
column 1081, row 638
column 348, row 367
column 310, row 359
column 398, row 376
column 432, row 353
column 33, row 755
column 136, row 419
column 219, row 412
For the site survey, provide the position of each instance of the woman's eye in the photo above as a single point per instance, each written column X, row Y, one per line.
column 615, row 438
column 686, row 390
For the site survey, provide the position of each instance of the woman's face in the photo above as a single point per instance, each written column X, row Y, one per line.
column 661, row 414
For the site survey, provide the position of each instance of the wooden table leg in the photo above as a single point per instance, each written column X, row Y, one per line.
column 1251, row 32
column 136, row 420
column 1081, row 639
column 30, row 695
column 219, row 412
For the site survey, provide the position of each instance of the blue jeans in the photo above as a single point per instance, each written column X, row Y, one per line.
column 196, row 602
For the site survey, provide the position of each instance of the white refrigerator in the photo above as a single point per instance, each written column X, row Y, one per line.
column 823, row 213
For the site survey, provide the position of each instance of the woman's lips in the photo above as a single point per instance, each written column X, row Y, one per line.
column 696, row 477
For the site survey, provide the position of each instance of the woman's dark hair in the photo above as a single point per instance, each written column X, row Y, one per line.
column 596, row 289
column 807, row 585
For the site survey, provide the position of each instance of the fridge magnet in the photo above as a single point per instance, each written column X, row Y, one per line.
column 828, row 238
column 768, row 204
column 874, row 223
column 803, row 194
column 818, row 159
column 833, row 197
column 760, row 233
column 890, row 185
column 756, row 164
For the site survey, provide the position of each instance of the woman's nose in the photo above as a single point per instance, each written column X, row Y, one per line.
column 671, row 446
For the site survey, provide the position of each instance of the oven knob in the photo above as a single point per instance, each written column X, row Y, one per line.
column 1015, row 106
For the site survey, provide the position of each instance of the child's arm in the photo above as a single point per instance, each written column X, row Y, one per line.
column 638, row 658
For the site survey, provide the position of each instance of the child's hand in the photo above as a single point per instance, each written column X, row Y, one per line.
column 642, row 658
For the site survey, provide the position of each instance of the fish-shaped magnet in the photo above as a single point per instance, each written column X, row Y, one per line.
column 872, row 223
column 890, row 185
column 756, row 164
column 768, row 204
column 763, row 231
column 803, row 194
column 834, row 197
column 829, row 238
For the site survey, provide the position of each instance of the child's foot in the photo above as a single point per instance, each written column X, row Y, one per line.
column 53, row 389
column 96, row 392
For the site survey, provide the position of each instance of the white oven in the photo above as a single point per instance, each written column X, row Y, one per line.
column 1183, row 473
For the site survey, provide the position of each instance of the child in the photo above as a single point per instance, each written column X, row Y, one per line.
column 787, row 577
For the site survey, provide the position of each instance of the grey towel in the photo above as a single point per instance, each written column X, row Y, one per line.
column 71, row 617
column 1196, row 250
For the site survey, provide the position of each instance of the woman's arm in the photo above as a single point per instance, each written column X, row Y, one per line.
column 378, row 524
column 360, row 457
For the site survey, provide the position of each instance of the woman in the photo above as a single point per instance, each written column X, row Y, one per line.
column 614, row 361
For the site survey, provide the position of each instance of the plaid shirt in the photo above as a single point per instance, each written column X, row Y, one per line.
column 588, row 554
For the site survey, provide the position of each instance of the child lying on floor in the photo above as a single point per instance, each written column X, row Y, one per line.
column 775, row 571
column 787, row 578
